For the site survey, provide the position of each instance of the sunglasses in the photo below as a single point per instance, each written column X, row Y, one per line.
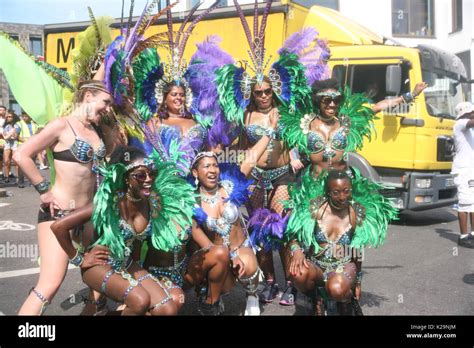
column 326, row 100
column 260, row 93
column 142, row 176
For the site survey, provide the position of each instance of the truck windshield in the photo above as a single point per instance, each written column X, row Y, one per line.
column 443, row 94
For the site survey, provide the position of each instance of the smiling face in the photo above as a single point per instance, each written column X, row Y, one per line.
column 97, row 105
column 340, row 193
column 175, row 100
column 140, row 180
column 329, row 103
column 207, row 171
column 263, row 95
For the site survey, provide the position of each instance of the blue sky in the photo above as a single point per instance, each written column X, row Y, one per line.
column 61, row 11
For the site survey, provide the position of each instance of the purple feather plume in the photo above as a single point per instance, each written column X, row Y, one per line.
column 240, row 191
column 193, row 24
column 312, row 53
column 201, row 78
column 244, row 24
column 268, row 228
column 133, row 38
column 299, row 41
column 263, row 25
column 186, row 20
column 200, row 215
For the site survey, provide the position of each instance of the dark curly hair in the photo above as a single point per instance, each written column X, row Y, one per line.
column 126, row 154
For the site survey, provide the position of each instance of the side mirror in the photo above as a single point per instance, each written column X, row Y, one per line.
column 393, row 79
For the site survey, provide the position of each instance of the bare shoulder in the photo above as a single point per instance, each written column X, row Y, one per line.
column 56, row 125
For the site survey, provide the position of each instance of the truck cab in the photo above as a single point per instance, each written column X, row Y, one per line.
column 411, row 149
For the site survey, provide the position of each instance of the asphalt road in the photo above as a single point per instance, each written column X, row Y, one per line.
column 419, row 271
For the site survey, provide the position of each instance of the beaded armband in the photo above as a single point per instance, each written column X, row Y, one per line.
column 271, row 133
column 293, row 248
column 42, row 187
column 78, row 259
column 407, row 97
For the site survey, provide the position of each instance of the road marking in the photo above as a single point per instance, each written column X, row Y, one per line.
column 9, row 225
column 4, row 204
column 23, row 272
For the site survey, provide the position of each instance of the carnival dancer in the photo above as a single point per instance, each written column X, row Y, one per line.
column 84, row 101
column 139, row 198
column 172, row 120
column 327, row 232
column 77, row 149
column 336, row 124
column 219, row 230
column 249, row 102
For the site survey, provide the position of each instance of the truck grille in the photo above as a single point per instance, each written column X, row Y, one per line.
column 389, row 193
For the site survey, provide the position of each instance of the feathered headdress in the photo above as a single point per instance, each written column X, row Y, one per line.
column 130, row 43
column 175, row 67
column 302, row 59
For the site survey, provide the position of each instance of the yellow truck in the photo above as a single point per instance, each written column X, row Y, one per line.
column 412, row 148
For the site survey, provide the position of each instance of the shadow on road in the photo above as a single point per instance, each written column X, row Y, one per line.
column 468, row 279
column 383, row 267
column 75, row 299
column 371, row 300
column 447, row 234
column 425, row 218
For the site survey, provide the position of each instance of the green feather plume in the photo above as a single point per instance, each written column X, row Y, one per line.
column 372, row 230
column 301, row 225
column 356, row 107
column 143, row 65
column 106, row 215
column 292, row 133
column 226, row 84
column 91, row 43
column 176, row 201
column 299, row 91
column 379, row 212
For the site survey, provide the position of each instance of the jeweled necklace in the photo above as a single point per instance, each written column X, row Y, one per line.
column 326, row 119
column 265, row 111
column 131, row 198
column 335, row 206
column 211, row 200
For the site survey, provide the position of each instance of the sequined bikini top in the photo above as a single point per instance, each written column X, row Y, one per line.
column 129, row 234
column 195, row 133
column 223, row 224
column 80, row 151
column 316, row 142
column 255, row 132
column 321, row 236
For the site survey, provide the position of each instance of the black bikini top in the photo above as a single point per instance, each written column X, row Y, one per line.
column 80, row 151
